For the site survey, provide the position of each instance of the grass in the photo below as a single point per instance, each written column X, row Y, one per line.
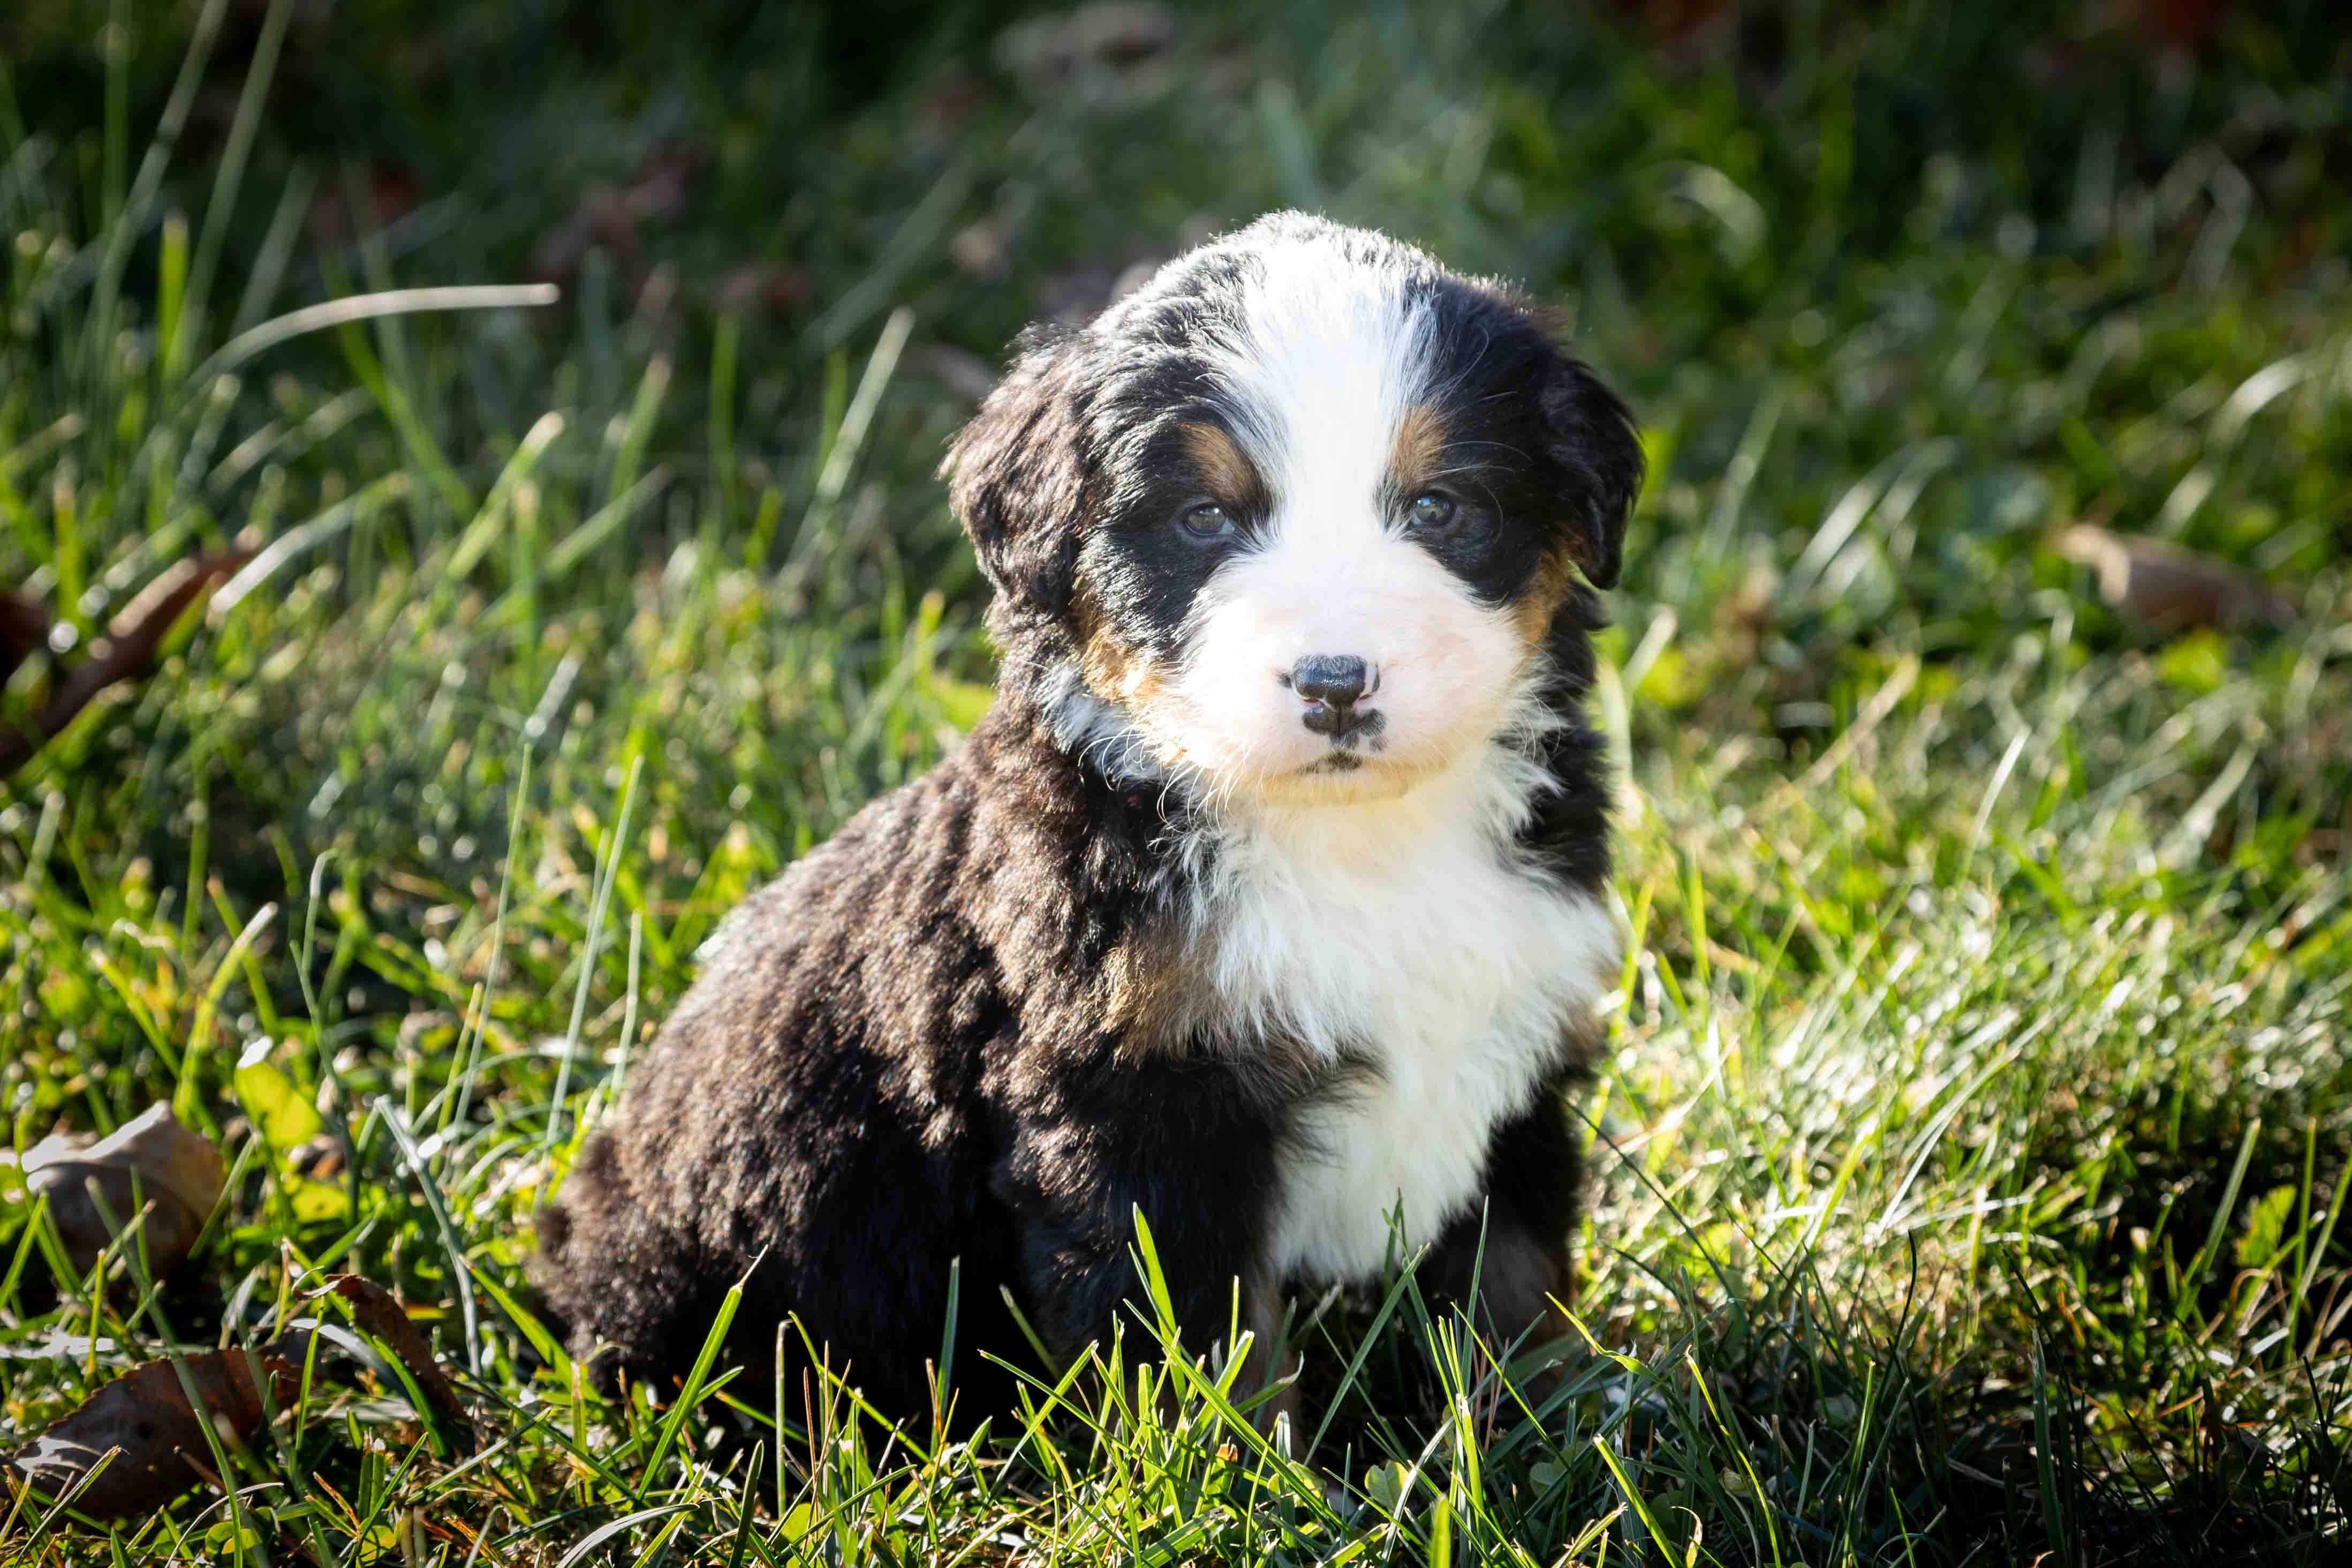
column 1978, row 1116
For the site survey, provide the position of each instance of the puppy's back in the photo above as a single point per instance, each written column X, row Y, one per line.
column 800, row 1107
column 820, row 1098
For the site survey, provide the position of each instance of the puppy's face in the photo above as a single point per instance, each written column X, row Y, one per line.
column 1303, row 508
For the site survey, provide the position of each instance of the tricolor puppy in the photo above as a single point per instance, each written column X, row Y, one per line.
column 1265, row 900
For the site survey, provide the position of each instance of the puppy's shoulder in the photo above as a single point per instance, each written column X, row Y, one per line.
column 1000, row 878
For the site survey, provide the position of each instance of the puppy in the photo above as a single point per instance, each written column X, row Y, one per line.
column 1267, row 899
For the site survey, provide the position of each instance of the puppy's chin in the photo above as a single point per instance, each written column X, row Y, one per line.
column 1342, row 779
column 1230, row 771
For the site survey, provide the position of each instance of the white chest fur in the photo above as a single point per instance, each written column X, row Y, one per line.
column 1406, row 930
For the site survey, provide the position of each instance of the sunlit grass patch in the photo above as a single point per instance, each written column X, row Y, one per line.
column 1969, row 1152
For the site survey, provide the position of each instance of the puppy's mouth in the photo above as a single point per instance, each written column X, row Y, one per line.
column 1346, row 776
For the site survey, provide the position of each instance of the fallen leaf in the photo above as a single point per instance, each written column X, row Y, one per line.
column 287, row 1118
column 144, row 1420
column 2170, row 587
column 140, row 1442
column 610, row 217
column 151, row 1161
column 743, row 290
column 382, row 197
column 24, row 632
column 1113, row 51
column 378, row 1315
column 124, row 653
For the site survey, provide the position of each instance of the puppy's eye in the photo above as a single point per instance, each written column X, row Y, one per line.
column 1208, row 521
column 1429, row 509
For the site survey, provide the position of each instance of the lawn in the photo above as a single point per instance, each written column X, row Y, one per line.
column 1976, row 1115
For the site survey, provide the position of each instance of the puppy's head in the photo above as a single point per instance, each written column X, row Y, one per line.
column 1297, row 516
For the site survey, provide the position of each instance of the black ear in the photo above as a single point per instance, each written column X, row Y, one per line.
column 1017, row 477
column 1590, row 437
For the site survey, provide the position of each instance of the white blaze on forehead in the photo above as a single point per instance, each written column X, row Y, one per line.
column 1326, row 358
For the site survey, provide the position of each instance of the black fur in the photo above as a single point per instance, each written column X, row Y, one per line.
column 891, row 1057
column 924, row 1041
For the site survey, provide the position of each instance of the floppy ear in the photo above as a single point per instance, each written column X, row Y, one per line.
column 1017, row 479
column 1589, row 438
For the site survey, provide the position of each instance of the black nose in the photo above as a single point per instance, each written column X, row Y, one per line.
column 1331, row 683
column 1334, row 678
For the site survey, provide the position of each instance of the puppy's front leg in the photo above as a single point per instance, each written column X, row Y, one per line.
column 1191, row 1146
column 1506, row 1260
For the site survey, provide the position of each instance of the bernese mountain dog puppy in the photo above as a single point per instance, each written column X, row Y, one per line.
column 1265, row 900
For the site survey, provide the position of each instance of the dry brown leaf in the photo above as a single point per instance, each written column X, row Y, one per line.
column 2170, row 587
column 1111, row 51
column 24, row 632
column 383, row 196
column 150, row 1160
column 756, row 287
column 375, row 1311
column 125, row 652
column 611, row 216
column 145, row 1420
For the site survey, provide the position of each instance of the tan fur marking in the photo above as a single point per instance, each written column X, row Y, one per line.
column 1533, row 612
column 1418, row 450
column 1148, row 987
column 1145, row 983
column 1112, row 670
column 1223, row 466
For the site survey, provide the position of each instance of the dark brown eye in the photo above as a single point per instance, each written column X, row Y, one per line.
column 1429, row 509
column 1208, row 521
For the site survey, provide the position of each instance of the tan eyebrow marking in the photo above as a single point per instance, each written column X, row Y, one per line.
column 1418, row 451
column 1230, row 474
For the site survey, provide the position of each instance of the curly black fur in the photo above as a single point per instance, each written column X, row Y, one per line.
column 935, row 1038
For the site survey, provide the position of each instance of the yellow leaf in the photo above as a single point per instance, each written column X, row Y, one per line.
column 281, row 1111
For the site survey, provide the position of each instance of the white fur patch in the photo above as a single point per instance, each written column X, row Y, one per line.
column 1093, row 730
column 1377, row 906
column 1380, row 908
column 1324, row 357
column 1404, row 928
